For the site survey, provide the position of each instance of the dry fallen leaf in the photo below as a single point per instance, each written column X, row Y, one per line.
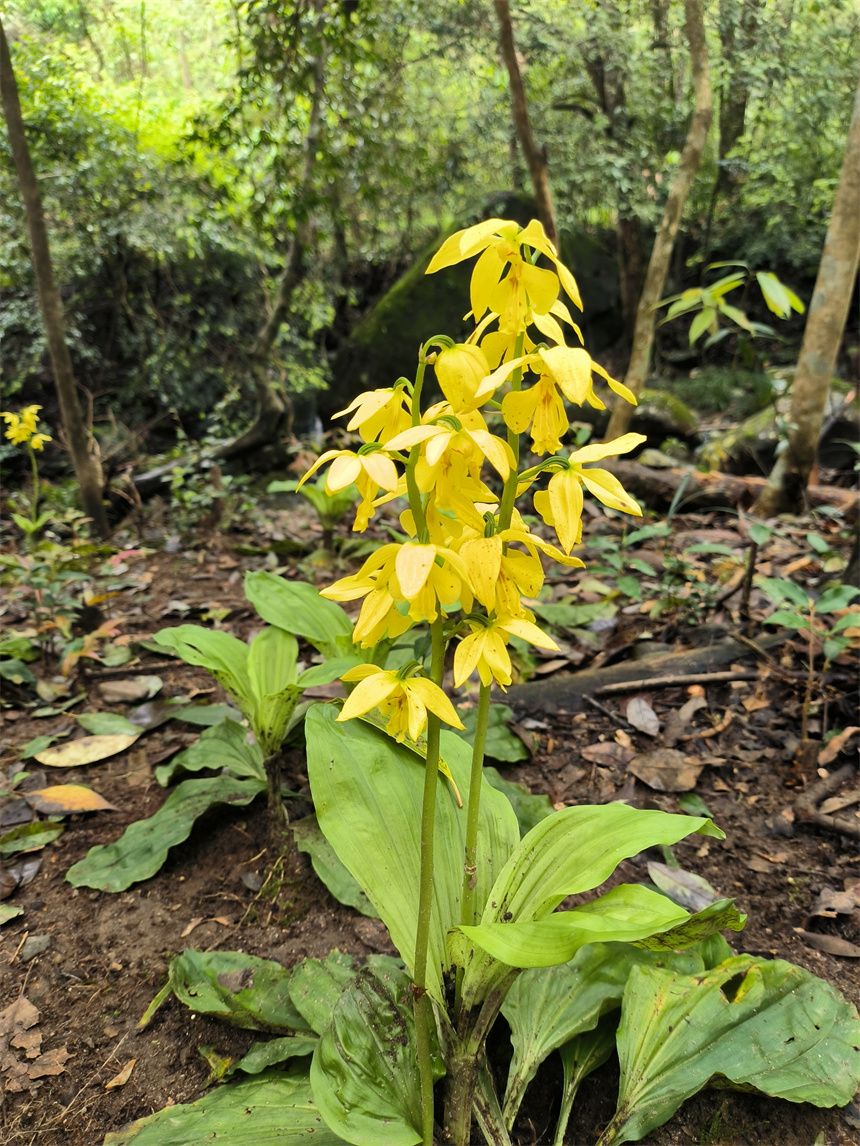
column 666, row 770
column 757, row 863
column 50, row 1063
column 65, row 799
column 21, row 1015
column 755, row 702
column 678, row 719
column 642, row 716
column 830, row 944
column 86, row 750
column 833, row 747
column 129, row 691
column 608, row 754
column 837, row 803
column 122, row 1078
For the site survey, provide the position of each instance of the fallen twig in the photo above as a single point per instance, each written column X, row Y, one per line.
column 619, row 720
column 807, row 804
column 669, row 681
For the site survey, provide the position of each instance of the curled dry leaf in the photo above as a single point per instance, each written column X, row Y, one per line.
column 833, row 747
column 829, row 944
column 86, row 750
column 122, row 1078
column 607, row 754
column 678, row 719
column 50, row 1063
column 666, row 770
column 66, row 799
column 129, row 691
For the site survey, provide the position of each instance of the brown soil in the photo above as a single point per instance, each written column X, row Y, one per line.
column 108, row 954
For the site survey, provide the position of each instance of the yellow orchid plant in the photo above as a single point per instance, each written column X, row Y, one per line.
column 22, row 429
column 469, row 567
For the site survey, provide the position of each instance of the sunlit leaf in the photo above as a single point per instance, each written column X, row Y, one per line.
column 66, row 799
column 87, row 750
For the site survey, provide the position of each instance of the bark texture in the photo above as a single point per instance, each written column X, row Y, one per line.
column 76, row 435
column 785, row 491
column 534, row 156
column 658, row 266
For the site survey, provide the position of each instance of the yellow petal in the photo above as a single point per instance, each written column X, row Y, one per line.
column 598, row 450
column 368, row 694
column 412, row 437
column 570, row 367
column 518, row 408
column 463, row 244
column 359, row 672
column 497, row 452
column 432, row 697
column 548, row 327
column 488, row 270
column 381, row 468
column 483, row 560
column 565, row 499
column 541, row 287
column 344, row 471
column 321, row 461
column 526, row 631
column 500, row 375
column 413, row 566
column 466, row 657
column 608, row 489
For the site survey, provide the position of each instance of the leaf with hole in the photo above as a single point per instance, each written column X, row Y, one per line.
column 762, row 1024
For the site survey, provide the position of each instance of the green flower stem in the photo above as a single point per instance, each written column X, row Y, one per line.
column 470, row 866
column 34, row 508
column 509, row 493
column 423, row 1009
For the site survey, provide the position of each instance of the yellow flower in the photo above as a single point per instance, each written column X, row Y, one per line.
column 560, row 505
column 541, row 408
column 404, row 701
column 459, row 370
column 38, row 441
column 570, row 368
column 485, row 649
column 379, row 414
column 371, row 471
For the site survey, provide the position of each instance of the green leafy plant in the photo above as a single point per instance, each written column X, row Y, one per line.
column 263, row 680
column 470, row 902
column 804, row 614
column 331, row 508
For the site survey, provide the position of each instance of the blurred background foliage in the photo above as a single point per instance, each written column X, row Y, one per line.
column 169, row 140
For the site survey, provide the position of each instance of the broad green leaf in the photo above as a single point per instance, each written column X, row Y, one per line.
column 29, row 837
column 328, row 671
column 501, row 744
column 364, row 1073
column 626, row 913
column 368, row 793
column 579, row 1058
column 225, row 745
column 529, row 809
column 568, row 616
column 736, row 316
column 774, row 293
column 243, row 990
column 263, row 1055
column 16, row 671
column 818, row 543
column 760, row 534
column 703, row 320
column 39, row 744
column 142, row 848
column 849, row 621
column 107, row 724
column 839, row 597
column 790, row 620
column 7, row 912
column 298, row 608
column 571, row 851
column 21, row 648
column 225, row 656
column 547, row 1006
column 719, row 916
column 779, row 590
column 769, row 1025
column 208, row 714
column 317, row 984
column 272, row 673
column 630, row 587
column 309, row 839
column 273, row 1109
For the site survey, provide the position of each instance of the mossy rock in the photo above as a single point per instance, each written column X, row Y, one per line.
column 662, row 415
column 384, row 345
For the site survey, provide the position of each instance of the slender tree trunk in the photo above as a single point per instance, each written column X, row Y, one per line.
column 828, row 313
column 78, row 439
column 274, row 414
column 534, row 156
column 658, row 266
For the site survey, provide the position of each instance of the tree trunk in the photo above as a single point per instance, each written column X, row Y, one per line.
column 658, row 266
column 77, row 437
column 828, row 312
column 631, row 267
column 534, row 156
column 274, row 414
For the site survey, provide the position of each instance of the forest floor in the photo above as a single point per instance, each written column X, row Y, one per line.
column 91, row 962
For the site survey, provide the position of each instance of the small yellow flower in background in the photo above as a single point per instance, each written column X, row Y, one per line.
column 485, row 649
column 404, row 701
column 22, row 427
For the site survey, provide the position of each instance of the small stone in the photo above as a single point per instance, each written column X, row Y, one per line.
column 34, row 945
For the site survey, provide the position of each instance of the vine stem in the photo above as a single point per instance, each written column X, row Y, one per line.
column 422, row 1008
